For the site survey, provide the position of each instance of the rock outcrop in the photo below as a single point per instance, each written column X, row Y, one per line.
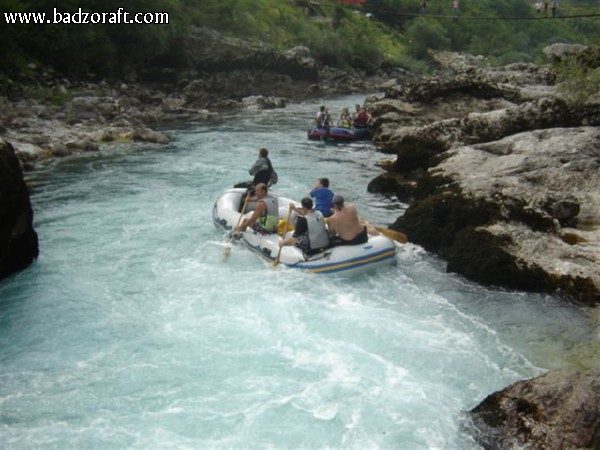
column 501, row 176
column 18, row 240
column 558, row 410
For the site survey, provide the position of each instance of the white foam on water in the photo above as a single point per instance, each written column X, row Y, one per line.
column 130, row 331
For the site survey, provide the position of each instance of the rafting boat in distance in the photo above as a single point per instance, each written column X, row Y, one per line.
column 339, row 134
column 379, row 251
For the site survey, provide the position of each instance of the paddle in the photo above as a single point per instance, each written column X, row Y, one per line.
column 393, row 234
column 231, row 239
column 276, row 262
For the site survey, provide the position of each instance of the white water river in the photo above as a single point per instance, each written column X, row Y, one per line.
column 129, row 331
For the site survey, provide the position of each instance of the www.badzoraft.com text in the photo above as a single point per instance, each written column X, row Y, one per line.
column 84, row 17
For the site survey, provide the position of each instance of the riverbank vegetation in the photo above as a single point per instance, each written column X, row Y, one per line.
column 381, row 33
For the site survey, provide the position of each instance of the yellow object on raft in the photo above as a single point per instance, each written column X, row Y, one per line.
column 284, row 225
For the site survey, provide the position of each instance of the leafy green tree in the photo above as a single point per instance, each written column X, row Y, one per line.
column 423, row 34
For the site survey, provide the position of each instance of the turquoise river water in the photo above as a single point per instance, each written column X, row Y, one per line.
column 130, row 331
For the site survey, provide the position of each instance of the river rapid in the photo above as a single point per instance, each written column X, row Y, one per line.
column 131, row 332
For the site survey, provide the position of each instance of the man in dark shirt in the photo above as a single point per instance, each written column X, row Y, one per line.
column 262, row 169
column 310, row 233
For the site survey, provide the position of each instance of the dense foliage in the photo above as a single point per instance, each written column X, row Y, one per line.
column 503, row 30
column 397, row 34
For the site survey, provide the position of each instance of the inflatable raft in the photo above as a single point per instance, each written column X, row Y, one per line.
column 339, row 134
column 379, row 251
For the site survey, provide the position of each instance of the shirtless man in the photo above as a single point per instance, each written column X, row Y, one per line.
column 345, row 225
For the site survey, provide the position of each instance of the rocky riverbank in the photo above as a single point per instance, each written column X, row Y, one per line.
column 501, row 174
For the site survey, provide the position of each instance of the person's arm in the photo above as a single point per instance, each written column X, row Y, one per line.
column 330, row 222
column 300, row 228
column 298, row 211
column 286, row 242
column 260, row 207
column 371, row 229
column 259, row 165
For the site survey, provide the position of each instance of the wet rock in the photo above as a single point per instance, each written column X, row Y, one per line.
column 559, row 410
column 18, row 239
column 85, row 145
column 59, row 149
column 129, row 134
column 564, row 209
column 258, row 102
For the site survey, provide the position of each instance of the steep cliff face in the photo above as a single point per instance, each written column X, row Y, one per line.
column 18, row 239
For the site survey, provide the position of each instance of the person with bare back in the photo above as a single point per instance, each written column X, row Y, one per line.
column 345, row 226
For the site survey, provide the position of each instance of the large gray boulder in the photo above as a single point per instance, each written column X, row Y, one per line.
column 522, row 212
column 18, row 239
column 559, row 410
column 588, row 55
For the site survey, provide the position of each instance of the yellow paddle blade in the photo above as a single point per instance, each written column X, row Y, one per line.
column 393, row 234
column 226, row 253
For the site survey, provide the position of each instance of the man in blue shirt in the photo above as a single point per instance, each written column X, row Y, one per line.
column 323, row 197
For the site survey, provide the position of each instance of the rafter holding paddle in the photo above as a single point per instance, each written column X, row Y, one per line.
column 231, row 239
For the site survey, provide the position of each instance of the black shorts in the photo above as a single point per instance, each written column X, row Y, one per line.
column 361, row 238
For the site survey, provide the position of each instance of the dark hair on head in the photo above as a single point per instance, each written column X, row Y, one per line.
column 307, row 203
column 263, row 152
column 338, row 200
column 262, row 186
column 324, row 182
